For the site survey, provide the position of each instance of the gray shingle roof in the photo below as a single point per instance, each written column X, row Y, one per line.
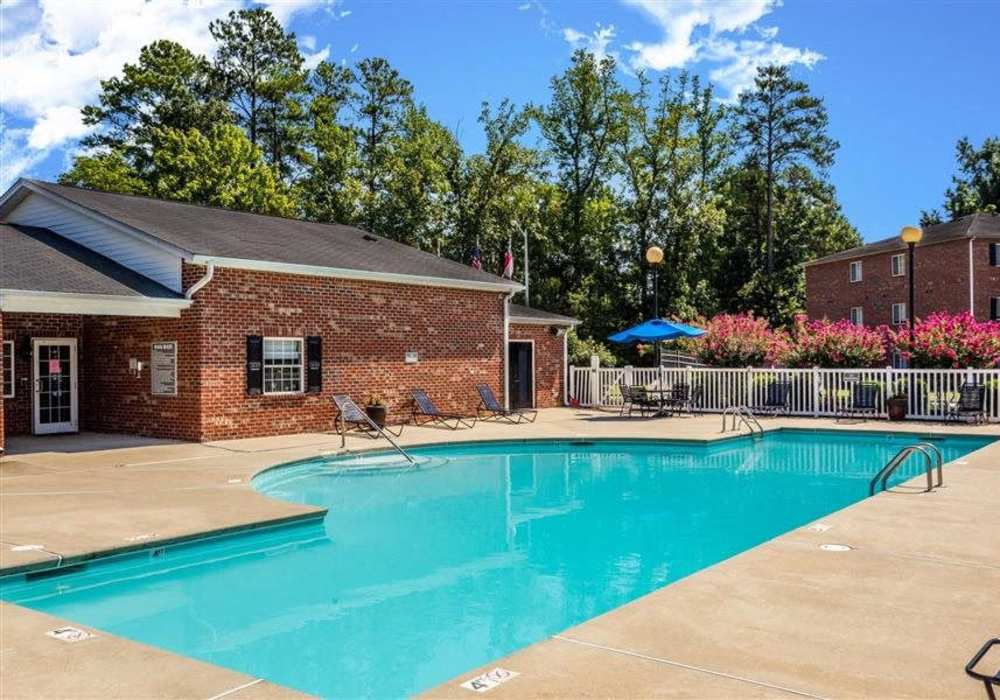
column 520, row 311
column 971, row 226
column 224, row 233
column 38, row 260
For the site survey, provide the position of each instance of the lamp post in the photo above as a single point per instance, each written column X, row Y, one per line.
column 654, row 256
column 911, row 235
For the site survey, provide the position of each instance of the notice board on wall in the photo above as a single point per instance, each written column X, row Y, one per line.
column 163, row 368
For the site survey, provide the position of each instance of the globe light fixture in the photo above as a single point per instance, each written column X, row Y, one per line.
column 911, row 235
column 654, row 255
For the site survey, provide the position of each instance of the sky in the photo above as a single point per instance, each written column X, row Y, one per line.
column 902, row 81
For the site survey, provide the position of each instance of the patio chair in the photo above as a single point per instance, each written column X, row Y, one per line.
column 349, row 416
column 971, row 403
column 424, row 408
column 864, row 400
column 776, row 396
column 492, row 409
column 680, row 398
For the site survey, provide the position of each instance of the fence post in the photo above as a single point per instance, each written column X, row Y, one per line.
column 748, row 386
column 817, row 380
column 595, row 379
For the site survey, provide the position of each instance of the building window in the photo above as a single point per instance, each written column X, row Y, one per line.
column 283, row 366
column 8, row 368
column 857, row 316
column 898, row 361
column 995, row 308
column 897, row 263
column 856, row 271
column 898, row 314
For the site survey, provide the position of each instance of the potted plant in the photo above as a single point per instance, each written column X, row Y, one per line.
column 896, row 406
column 376, row 409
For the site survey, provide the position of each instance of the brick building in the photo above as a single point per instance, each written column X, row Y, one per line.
column 135, row 315
column 957, row 268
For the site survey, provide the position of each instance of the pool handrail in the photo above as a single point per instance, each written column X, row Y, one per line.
column 932, row 459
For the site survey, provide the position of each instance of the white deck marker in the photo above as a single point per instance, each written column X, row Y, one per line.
column 836, row 547
column 489, row 680
column 27, row 547
column 819, row 527
column 70, row 634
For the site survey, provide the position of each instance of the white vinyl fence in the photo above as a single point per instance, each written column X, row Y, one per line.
column 814, row 392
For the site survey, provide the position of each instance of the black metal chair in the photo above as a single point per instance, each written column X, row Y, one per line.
column 424, row 408
column 349, row 416
column 490, row 406
column 776, row 399
column 680, row 398
column 971, row 403
column 864, row 401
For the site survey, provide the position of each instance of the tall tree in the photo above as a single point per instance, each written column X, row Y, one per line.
column 382, row 98
column 260, row 67
column 977, row 186
column 781, row 124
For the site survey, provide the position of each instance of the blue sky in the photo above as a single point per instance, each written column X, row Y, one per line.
column 902, row 80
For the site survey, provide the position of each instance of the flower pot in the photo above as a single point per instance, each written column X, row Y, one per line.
column 896, row 407
column 377, row 414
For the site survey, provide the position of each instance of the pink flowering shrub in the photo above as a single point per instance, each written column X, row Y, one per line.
column 945, row 340
column 833, row 344
column 740, row 340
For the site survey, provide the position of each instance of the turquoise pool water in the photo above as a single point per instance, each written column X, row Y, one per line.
column 417, row 576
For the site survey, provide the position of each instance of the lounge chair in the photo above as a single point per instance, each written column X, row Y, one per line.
column 971, row 403
column 864, row 400
column 349, row 416
column 492, row 409
column 424, row 408
column 775, row 401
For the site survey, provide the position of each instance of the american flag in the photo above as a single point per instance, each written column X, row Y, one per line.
column 508, row 264
column 477, row 259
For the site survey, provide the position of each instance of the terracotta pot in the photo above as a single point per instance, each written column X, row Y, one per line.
column 377, row 414
column 896, row 407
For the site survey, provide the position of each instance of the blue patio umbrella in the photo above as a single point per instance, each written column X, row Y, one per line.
column 655, row 330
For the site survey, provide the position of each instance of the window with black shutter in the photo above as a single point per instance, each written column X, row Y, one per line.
column 995, row 254
column 255, row 365
column 314, row 364
column 995, row 308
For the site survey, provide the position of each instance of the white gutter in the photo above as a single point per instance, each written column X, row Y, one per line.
column 196, row 287
column 506, row 350
column 536, row 321
column 565, row 364
column 343, row 273
column 32, row 301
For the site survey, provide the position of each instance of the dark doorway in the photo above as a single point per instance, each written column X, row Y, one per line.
column 522, row 374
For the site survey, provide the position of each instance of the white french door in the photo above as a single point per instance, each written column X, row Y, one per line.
column 54, row 372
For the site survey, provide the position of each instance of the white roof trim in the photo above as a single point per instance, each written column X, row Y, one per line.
column 536, row 321
column 343, row 273
column 25, row 184
column 31, row 301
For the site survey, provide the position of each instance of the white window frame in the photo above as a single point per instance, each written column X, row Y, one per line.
column 901, row 272
column 860, row 321
column 8, row 361
column 903, row 317
column 301, row 365
column 898, row 361
column 994, row 256
column 855, row 265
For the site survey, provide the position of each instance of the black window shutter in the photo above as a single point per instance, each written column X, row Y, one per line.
column 255, row 365
column 995, row 254
column 314, row 364
column 995, row 308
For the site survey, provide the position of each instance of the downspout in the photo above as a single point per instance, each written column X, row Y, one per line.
column 206, row 278
column 506, row 350
column 972, row 280
column 565, row 364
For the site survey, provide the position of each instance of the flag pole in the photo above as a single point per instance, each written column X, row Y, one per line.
column 527, row 300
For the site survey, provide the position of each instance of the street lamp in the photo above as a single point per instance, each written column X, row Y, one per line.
column 911, row 235
column 654, row 256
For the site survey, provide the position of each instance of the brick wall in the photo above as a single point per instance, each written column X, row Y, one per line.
column 942, row 284
column 549, row 362
column 3, row 431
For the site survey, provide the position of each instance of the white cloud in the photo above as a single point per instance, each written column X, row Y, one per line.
column 313, row 59
column 596, row 42
column 524, row 7
column 355, row 48
column 284, row 10
column 713, row 32
column 54, row 53
column 345, row 13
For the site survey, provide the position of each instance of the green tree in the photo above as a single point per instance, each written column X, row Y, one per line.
column 221, row 168
column 780, row 125
column 977, row 186
column 108, row 171
column 260, row 68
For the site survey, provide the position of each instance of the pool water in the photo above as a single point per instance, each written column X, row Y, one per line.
column 417, row 575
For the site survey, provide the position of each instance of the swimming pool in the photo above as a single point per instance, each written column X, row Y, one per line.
column 416, row 576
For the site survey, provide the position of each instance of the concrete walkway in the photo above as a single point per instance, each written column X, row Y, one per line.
column 896, row 616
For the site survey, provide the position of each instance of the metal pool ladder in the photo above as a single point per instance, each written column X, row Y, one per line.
column 933, row 459
column 377, row 428
column 744, row 415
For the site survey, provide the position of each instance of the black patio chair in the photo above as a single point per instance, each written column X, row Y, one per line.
column 349, row 416
column 492, row 409
column 864, row 401
column 680, row 398
column 424, row 408
column 776, row 399
column 971, row 403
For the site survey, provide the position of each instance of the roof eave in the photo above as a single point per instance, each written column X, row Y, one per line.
column 537, row 321
column 363, row 275
column 81, row 304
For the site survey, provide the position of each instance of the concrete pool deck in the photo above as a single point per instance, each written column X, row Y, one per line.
column 899, row 615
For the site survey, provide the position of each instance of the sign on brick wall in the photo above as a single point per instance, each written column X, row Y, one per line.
column 163, row 368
